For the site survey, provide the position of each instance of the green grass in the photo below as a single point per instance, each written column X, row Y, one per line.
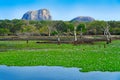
column 88, row 57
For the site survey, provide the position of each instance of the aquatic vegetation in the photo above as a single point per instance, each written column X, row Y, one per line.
column 88, row 57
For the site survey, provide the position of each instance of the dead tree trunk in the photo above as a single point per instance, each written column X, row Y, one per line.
column 107, row 35
column 75, row 36
column 58, row 39
column 49, row 33
column 49, row 30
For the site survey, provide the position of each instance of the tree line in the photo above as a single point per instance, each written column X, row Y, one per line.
column 51, row 28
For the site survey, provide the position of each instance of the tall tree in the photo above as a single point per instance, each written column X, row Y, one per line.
column 96, row 27
column 70, row 28
column 60, row 27
column 81, row 28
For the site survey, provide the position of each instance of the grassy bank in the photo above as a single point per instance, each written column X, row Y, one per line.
column 88, row 57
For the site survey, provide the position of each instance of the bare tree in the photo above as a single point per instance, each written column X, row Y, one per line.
column 75, row 31
column 75, row 34
column 107, row 34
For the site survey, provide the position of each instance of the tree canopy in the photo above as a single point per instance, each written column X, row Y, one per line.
column 12, row 27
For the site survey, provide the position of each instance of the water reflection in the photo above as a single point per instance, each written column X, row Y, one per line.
column 53, row 73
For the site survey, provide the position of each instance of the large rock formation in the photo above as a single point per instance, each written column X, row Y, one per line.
column 83, row 19
column 42, row 14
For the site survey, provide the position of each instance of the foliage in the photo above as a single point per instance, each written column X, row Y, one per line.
column 95, row 27
column 4, row 31
column 81, row 26
column 70, row 27
column 60, row 26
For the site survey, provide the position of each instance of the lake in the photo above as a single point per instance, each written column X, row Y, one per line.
column 53, row 73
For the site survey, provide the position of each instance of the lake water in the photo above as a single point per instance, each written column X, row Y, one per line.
column 53, row 73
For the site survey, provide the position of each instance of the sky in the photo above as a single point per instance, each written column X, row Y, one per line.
column 62, row 9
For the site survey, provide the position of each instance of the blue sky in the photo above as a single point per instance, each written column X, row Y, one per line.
column 62, row 9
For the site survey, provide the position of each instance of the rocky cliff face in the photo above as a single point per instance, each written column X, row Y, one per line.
column 42, row 14
column 83, row 19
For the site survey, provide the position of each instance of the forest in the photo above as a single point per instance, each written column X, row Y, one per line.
column 51, row 28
